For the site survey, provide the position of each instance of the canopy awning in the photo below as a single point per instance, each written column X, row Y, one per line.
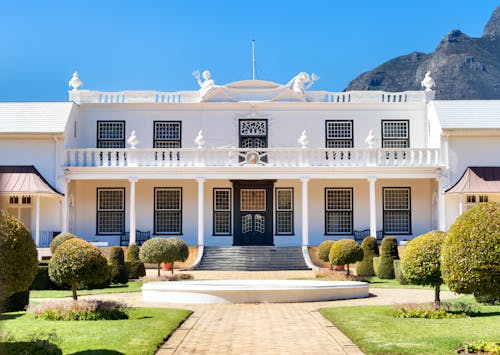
column 24, row 179
column 483, row 179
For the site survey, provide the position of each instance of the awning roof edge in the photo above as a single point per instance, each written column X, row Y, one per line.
column 479, row 179
column 24, row 179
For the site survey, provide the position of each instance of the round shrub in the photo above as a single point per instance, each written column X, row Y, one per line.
column 323, row 250
column 388, row 253
column 16, row 302
column 470, row 257
column 136, row 269
column 77, row 261
column 182, row 252
column 118, row 270
column 18, row 257
column 58, row 240
column 345, row 252
column 132, row 253
column 421, row 262
column 370, row 250
column 156, row 251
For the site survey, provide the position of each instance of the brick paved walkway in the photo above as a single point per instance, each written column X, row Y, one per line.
column 292, row 328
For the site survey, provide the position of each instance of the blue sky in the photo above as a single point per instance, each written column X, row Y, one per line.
column 135, row 45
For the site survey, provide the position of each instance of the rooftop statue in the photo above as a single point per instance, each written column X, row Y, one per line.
column 428, row 82
column 302, row 82
column 207, row 83
column 75, row 81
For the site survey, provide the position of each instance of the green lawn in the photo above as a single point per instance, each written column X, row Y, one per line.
column 376, row 331
column 142, row 333
column 132, row 286
column 375, row 282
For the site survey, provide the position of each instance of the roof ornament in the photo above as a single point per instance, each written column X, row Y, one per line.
column 207, row 82
column 75, row 81
column 199, row 140
column 370, row 139
column 428, row 82
column 302, row 82
column 303, row 139
column 132, row 140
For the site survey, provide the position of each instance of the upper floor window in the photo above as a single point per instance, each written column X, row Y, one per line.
column 253, row 134
column 395, row 134
column 167, row 134
column 339, row 134
column 110, row 134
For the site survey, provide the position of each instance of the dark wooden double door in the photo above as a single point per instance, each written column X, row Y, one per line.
column 253, row 212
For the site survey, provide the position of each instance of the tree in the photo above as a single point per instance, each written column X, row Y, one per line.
column 470, row 257
column 388, row 253
column 119, row 274
column 421, row 262
column 18, row 257
column 181, row 252
column 76, row 261
column 345, row 252
column 157, row 251
column 370, row 250
column 58, row 240
column 323, row 251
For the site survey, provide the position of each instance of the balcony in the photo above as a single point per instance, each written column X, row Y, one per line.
column 263, row 157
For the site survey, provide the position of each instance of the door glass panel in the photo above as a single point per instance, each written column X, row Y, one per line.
column 25, row 217
column 253, row 200
column 246, row 223
column 260, row 225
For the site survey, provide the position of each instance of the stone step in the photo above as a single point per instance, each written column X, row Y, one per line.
column 252, row 258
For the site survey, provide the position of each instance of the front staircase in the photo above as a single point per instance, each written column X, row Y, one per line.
column 252, row 258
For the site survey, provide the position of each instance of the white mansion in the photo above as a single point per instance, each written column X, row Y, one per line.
column 248, row 163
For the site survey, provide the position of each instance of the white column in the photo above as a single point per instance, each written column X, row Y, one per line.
column 65, row 207
column 440, row 203
column 461, row 205
column 132, row 227
column 373, row 208
column 201, row 211
column 37, row 220
column 305, row 211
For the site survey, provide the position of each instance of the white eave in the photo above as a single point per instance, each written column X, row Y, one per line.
column 463, row 115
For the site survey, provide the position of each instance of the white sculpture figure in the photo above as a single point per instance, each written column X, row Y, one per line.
column 428, row 82
column 207, row 83
column 75, row 81
column 370, row 139
column 199, row 140
column 132, row 140
column 303, row 139
column 302, row 82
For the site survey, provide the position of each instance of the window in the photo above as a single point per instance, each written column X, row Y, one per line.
column 395, row 134
column 472, row 200
column 167, row 134
column 222, row 212
column 338, row 211
column 284, row 210
column 168, row 210
column 397, row 210
column 110, row 134
column 339, row 134
column 20, row 207
column 253, row 134
column 110, row 211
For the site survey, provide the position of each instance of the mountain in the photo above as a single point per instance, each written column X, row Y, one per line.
column 463, row 67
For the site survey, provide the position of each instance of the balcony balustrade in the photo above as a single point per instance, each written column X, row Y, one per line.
column 241, row 157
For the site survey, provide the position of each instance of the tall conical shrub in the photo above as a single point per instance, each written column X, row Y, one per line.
column 136, row 267
column 119, row 274
column 370, row 250
column 388, row 253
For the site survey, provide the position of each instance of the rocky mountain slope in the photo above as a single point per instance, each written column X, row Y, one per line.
column 463, row 67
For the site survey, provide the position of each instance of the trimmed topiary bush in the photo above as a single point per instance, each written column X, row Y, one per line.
column 398, row 273
column 136, row 268
column 470, row 256
column 370, row 250
column 17, row 302
column 77, row 261
column 42, row 280
column 118, row 270
column 388, row 253
column 182, row 252
column 18, row 257
column 421, row 263
column 345, row 252
column 156, row 251
column 375, row 264
column 323, row 251
column 59, row 239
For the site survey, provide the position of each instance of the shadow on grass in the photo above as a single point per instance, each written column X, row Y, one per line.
column 485, row 314
column 30, row 347
column 98, row 352
column 7, row 316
